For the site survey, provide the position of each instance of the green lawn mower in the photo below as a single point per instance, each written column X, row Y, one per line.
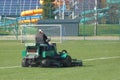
column 45, row 55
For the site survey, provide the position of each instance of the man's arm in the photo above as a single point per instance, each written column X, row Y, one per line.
column 45, row 37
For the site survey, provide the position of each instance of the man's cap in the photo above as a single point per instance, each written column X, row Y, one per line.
column 40, row 30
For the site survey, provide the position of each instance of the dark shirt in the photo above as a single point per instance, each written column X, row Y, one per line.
column 41, row 38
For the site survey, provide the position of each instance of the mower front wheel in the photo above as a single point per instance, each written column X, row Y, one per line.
column 24, row 63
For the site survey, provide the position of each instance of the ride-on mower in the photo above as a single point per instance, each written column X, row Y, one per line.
column 45, row 55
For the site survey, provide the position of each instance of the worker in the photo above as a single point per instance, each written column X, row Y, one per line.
column 41, row 38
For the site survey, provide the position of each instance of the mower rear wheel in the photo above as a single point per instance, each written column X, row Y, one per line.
column 45, row 63
column 67, row 61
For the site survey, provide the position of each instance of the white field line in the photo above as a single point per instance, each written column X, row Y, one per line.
column 92, row 59
column 9, row 67
column 101, row 58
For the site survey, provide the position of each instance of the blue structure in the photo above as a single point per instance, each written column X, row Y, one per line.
column 14, row 7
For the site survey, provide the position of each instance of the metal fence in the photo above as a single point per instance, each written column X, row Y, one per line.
column 102, row 22
column 102, row 32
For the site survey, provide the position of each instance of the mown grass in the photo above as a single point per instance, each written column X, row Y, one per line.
column 106, row 69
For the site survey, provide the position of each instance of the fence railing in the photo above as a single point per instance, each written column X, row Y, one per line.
column 101, row 32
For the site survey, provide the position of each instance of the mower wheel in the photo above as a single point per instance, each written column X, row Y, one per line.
column 24, row 63
column 67, row 61
column 45, row 63
column 81, row 63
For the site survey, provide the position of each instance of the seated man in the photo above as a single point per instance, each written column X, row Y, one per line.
column 41, row 38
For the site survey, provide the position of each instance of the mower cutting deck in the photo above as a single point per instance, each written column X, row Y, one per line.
column 46, row 55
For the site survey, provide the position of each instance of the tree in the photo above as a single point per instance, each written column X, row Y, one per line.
column 48, row 9
column 113, row 14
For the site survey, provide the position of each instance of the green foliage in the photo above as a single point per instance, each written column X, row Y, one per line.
column 48, row 9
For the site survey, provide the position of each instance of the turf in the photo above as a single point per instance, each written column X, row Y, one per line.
column 99, row 69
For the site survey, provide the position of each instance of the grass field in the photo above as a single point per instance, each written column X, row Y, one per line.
column 101, row 61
